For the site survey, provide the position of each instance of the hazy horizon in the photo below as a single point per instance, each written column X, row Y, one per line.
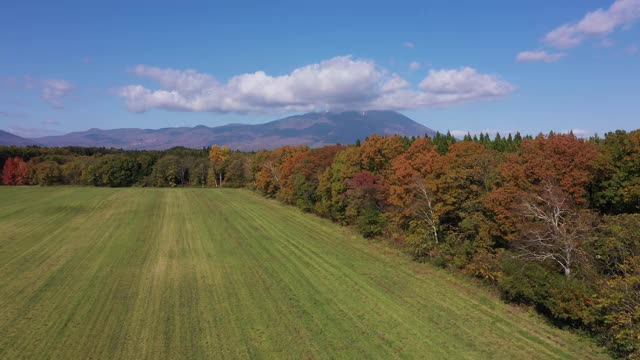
column 456, row 133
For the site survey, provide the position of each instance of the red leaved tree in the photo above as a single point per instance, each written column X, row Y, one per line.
column 14, row 172
column 412, row 190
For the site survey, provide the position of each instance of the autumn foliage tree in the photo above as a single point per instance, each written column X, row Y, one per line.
column 367, row 196
column 287, row 175
column 559, row 159
column 411, row 190
column 412, row 193
column 464, row 176
column 218, row 156
column 237, row 170
column 8, row 172
column 269, row 171
column 553, row 228
column 377, row 153
column 460, row 181
column 441, row 197
column 14, row 172
column 333, row 184
column 300, row 175
column 562, row 159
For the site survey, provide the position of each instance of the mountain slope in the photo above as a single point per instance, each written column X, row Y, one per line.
column 313, row 129
column 7, row 138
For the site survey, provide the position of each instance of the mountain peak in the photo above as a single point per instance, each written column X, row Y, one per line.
column 313, row 129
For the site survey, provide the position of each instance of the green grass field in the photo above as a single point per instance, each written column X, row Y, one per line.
column 98, row 273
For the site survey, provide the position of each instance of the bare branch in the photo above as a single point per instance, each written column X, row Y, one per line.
column 552, row 228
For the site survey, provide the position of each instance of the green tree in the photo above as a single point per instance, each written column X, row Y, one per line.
column 616, row 187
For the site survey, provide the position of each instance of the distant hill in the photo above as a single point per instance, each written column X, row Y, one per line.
column 313, row 129
column 7, row 138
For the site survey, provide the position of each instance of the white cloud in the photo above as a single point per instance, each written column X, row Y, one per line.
column 55, row 89
column 409, row 45
column 599, row 22
column 539, row 55
column 395, row 83
column 465, row 82
column 338, row 83
column 185, row 81
column 414, row 65
column 51, row 122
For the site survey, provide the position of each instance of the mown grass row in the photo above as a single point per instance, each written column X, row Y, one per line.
column 202, row 273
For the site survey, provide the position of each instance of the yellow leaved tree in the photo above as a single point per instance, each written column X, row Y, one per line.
column 218, row 156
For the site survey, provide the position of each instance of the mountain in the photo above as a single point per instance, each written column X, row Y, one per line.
column 7, row 138
column 313, row 129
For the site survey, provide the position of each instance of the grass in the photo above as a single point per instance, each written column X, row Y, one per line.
column 98, row 273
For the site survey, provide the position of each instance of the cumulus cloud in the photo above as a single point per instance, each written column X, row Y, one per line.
column 414, row 65
column 539, row 55
column 465, row 81
column 186, row 81
column 338, row 83
column 53, row 90
column 599, row 22
column 409, row 45
column 395, row 83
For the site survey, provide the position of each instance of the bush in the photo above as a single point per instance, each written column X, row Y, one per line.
column 486, row 266
column 565, row 300
column 420, row 240
column 618, row 306
column 371, row 223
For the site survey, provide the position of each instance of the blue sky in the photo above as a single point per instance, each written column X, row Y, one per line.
column 492, row 65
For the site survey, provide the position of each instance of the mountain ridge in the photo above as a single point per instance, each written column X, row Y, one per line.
column 7, row 138
column 314, row 129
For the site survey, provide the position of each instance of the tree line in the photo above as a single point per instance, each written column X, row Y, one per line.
column 551, row 221
column 119, row 168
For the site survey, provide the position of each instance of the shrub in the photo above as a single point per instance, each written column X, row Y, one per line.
column 565, row 300
column 371, row 223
